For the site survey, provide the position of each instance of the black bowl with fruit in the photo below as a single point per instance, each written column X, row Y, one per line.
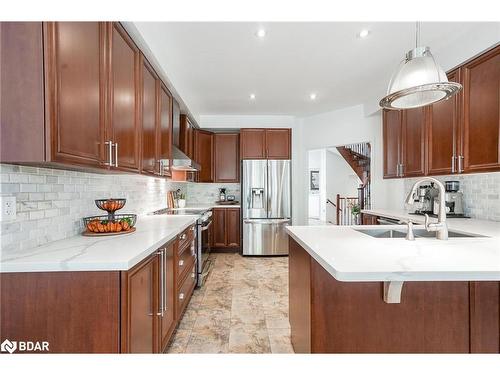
column 100, row 225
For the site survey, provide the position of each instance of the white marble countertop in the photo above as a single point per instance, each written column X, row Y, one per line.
column 349, row 255
column 207, row 206
column 110, row 253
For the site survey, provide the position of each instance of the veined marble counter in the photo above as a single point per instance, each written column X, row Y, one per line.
column 349, row 255
column 109, row 253
column 207, row 206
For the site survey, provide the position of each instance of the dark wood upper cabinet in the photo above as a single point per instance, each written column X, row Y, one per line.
column 22, row 92
column 278, row 143
column 139, row 293
column 165, row 124
column 204, row 146
column 186, row 136
column 481, row 122
column 265, row 143
column 413, row 142
column 123, row 127
column 443, row 133
column 149, row 118
column 176, row 123
column 253, row 143
column 227, row 157
column 76, row 84
column 392, row 132
column 232, row 227
column 219, row 227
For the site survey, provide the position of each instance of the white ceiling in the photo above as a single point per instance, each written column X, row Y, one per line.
column 215, row 66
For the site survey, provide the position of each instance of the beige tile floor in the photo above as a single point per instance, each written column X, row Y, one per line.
column 242, row 308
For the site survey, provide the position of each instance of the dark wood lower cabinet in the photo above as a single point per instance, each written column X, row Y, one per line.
column 225, row 230
column 98, row 312
column 329, row 316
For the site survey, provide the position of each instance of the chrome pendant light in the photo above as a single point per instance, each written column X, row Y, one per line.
column 419, row 80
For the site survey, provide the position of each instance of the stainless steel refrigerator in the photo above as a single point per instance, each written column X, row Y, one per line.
column 266, row 206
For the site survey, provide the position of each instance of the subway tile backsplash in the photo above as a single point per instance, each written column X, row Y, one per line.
column 481, row 193
column 209, row 192
column 52, row 202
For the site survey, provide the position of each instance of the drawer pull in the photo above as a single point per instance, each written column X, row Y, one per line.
column 193, row 229
column 181, row 262
column 183, row 236
column 193, row 275
column 181, row 296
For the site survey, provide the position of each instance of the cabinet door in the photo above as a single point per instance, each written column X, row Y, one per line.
column 204, row 154
column 413, row 142
column 219, row 227
column 76, row 91
column 141, row 306
column 149, row 119
column 167, row 321
column 253, row 143
column 481, row 122
column 22, row 92
column 165, row 131
column 392, row 128
column 227, row 157
column 186, row 136
column 176, row 123
column 278, row 143
column 442, row 133
column 124, row 127
column 233, row 227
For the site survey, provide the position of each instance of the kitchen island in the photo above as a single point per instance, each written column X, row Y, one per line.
column 340, row 282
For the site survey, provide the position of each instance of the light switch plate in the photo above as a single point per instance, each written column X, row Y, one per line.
column 7, row 208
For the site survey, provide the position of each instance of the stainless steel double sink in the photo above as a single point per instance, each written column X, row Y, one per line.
column 401, row 233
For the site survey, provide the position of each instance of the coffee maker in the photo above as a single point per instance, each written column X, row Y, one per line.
column 425, row 202
column 453, row 199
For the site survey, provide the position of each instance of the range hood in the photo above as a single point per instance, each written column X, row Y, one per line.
column 181, row 162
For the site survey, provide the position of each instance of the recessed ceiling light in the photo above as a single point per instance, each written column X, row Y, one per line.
column 363, row 33
column 252, row 96
column 261, row 33
column 312, row 96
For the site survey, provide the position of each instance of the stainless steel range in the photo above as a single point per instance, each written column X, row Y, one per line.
column 202, row 237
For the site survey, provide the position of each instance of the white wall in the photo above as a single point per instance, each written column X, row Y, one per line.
column 348, row 125
column 340, row 179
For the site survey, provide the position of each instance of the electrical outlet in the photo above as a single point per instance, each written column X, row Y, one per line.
column 7, row 208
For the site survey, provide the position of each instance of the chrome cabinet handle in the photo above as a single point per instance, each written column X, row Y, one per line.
column 193, row 249
column 183, row 236
column 193, row 275
column 181, row 263
column 110, row 153
column 402, row 170
column 116, row 154
column 161, row 253
column 460, row 166
column 181, row 296
column 453, row 164
column 193, row 229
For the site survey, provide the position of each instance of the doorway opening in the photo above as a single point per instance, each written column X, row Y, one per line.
column 339, row 184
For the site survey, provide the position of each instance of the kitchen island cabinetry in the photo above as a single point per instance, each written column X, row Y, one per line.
column 432, row 316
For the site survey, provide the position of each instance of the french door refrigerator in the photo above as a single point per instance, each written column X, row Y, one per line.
column 266, row 206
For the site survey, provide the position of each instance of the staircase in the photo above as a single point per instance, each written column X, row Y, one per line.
column 357, row 155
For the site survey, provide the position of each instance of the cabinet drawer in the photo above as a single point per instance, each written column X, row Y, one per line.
column 186, row 236
column 187, row 256
column 185, row 290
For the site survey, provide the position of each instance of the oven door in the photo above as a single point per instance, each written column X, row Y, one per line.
column 204, row 241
